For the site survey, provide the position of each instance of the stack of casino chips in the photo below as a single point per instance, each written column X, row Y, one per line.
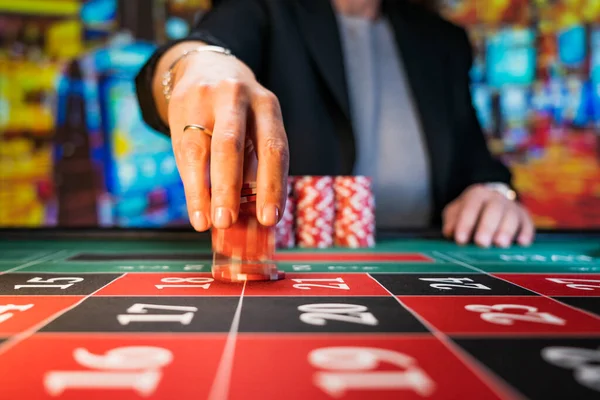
column 244, row 251
column 284, row 231
column 315, row 202
column 325, row 211
column 354, row 223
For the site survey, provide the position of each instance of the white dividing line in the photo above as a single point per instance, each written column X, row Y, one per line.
column 33, row 262
column 473, row 268
column 220, row 386
column 496, row 384
column 29, row 332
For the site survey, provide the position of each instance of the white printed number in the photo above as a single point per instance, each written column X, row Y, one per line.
column 449, row 283
column 354, row 368
column 507, row 314
column 579, row 284
column 328, row 283
column 318, row 314
column 5, row 315
column 48, row 283
column 139, row 313
column 585, row 363
column 134, row 368
column 199, row 282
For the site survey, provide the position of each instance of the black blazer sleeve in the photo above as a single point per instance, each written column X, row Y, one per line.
column 239, row 25
column 477, row 165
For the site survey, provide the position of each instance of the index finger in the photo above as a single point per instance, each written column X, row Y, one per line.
column 273, row 158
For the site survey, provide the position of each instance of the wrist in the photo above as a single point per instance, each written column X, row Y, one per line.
column 171, row 75
column 503, row 189
column 161, row 67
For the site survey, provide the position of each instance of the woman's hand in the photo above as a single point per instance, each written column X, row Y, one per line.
column 220, row 93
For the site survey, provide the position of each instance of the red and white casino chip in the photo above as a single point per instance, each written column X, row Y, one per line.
column 284, row 230
column 314, row 211
column 354, row 222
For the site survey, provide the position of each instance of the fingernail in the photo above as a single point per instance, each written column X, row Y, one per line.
column 524, row 242
column 461, row 237
column 223, row 218
column 484, row 240
column 503, row 241
column 270, row 214
column 199, row 221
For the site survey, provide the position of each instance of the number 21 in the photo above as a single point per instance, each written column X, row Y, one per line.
column 328, row 283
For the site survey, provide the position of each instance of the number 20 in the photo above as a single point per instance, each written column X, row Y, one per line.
column 318, row 314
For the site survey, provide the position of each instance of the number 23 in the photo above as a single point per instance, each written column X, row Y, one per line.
column 491, row 314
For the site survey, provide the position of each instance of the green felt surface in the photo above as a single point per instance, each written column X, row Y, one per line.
column 578, row 255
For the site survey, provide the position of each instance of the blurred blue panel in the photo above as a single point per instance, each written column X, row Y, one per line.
column 98, row 12
column 595, row 56
column 511, row 57
column 572, row 46
column 176, row 28
column 482, row 102
column 514, row 104
column 595, row 102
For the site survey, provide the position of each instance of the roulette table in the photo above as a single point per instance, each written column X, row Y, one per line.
column 137, row 314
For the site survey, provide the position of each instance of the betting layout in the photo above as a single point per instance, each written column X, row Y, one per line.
column 409, row 319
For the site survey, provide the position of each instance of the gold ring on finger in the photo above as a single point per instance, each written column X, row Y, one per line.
column 198, row 127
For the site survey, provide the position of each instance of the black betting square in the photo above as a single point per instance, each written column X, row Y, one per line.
column 327, row 315
column 148, row 314
column 542, row 368
column 449, row 285
column 589, row 304
column 53, row 284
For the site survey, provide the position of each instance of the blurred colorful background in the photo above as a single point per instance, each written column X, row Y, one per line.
column 75, row 152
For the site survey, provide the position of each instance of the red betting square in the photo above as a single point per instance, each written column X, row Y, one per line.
column 314, row 256
column 186, row 284
column 557, row 284
column 20, row 313
column 501, row 315
column 355, row 367
column 318, row 285
column 113, row 367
